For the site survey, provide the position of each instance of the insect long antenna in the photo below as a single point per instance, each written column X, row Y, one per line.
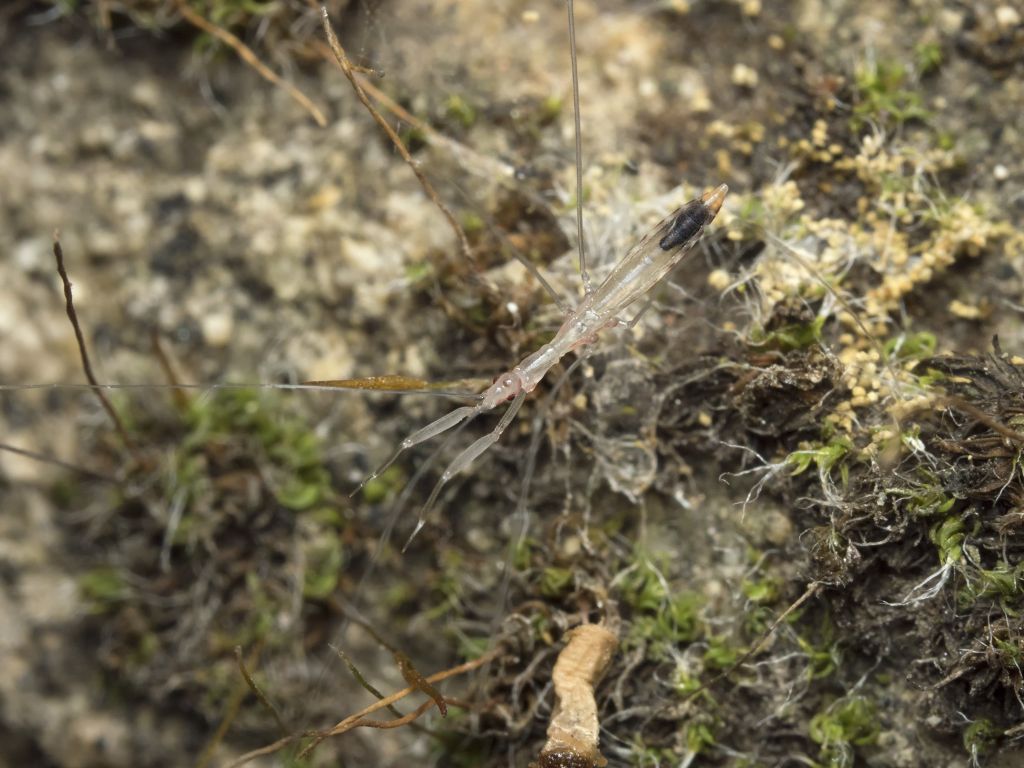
column 313, row 386
column 432, row 429
column 464, row 459
column 584, row 274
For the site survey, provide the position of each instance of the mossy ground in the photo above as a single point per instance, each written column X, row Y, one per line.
column 820, row 404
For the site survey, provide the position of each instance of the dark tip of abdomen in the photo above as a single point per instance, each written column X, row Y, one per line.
column 685, row 225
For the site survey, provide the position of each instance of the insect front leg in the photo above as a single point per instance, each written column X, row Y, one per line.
column 466, row 457
column 432, row 429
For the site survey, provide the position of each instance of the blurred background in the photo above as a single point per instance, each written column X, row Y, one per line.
column 770, row 427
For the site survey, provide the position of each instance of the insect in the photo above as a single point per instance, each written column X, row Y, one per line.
column 643, row 267
column 601, row 309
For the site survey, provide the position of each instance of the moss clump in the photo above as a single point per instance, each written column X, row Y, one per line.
column 842, row 727
column 104, row 588
column 247, row 477
column 661, row 617
column 884, row 96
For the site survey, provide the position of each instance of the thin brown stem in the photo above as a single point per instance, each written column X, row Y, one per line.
column 269, row 749
column 398, row 722
column 181, row 399
column 234, row 705
column 56, row 462
column 351, row 722
column 347, row 69
column 259, row 691
column 250, row 58
column 955, row 401
column 69, row 303
column 358, row 720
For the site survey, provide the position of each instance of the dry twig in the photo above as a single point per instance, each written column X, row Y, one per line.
column 250, row 58
column 69, row 303
column 259, row 691
column 347, row 69
column 359, row 719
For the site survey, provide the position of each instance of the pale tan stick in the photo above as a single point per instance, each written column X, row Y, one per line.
column 250, row 58
column 574, row 730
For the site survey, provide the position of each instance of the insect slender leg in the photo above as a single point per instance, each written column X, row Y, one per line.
column 432, row 429
column 464, row 459
column 403, row 498
column 636, row 318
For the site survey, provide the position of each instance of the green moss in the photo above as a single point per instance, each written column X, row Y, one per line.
column 103, row 588
column 460, row 110
column 227, row 12
column 472, row 223
column 980, row 737
column 522, row 555
column 146, row 649
column 821, row 649
column 260, row 621
column 661, row 617
column 721, row 654
column 324, row 559
column 686, row 684
column 930, row 378
column 915, row 346
column 448, row 585
column 845, row 724
column 419, row 271
column 699, row 736
column 550, row 109
column 824, row 458
column 555, row 581
column 288, row 453
column 1010, row 652
column 948, row 536
column 63, row 492
column 927, row 57
column 383, row 485
column 883, row 98
column 413, row 138
column 570, row 204
column 1004, row 582
column 643, row 756
column 789, row 337
column 928, row 498
column 469, row 646
column 765, row 590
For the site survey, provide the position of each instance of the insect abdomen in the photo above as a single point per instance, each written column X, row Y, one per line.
column 685, row 226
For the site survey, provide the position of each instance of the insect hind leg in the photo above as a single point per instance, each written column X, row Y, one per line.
column 432, row 429
column 465, row 458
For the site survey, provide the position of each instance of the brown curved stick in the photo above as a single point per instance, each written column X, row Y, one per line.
column 352, row 721
column 346, row 68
